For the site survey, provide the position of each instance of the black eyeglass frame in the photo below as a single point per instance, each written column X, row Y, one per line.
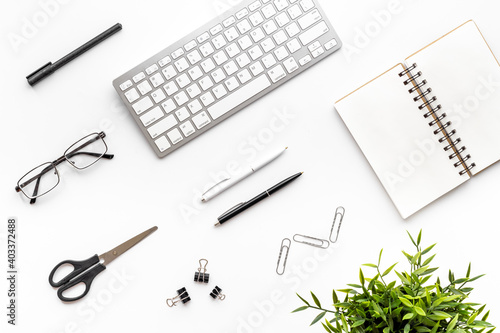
column 66, row 157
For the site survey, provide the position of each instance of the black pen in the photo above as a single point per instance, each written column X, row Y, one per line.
column 245, row 205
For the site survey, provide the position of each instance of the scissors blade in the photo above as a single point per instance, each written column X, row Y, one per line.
column 124, row 247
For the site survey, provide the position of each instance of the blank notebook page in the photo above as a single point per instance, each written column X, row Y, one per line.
column 398, row 143
column 465, row 77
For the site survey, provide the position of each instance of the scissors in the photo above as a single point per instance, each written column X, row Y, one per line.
column 86, row 270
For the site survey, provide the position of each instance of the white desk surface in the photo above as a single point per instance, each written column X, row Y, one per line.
column 92, row 211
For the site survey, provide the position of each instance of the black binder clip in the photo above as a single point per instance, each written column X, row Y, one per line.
column 202, row 275
column 182, row 296
column 216, row 293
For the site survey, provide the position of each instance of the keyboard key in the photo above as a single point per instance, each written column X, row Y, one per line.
column 255, row 52
column 194, row 106
column 238, row 97
column 309, row 19
column 270, row 27
column 143, row 105
column 244, row 76
column 314, row 33
column 151, row 69
column 187, row 128
column 156, row 80
column 125, row 85
column 319, row 51
column 175, row 136
column 162, row 144
column 230, row 68
column 194, row 57
column 208, row 65
column 304, row 61
column 245, row 42
column 218, row 75
column 268, row 11
column 168, row 106
column 169, row 72
column 207, row 99
column 254, row 6
column 282, row 19
column 162, row 126
column 232, row 50
column 206, row 83
column 242, row 13
column 256, row 19
column 152, row 116
column 171, row 88
column 193, row 90
column 280, row 37
column 203, row 37
column 220, row 58
column 293, row 45
column 269, row 61
column 277, row 73
column 183, row 80
column 281, row 4
column 292, row 30
column 219, row 91
column 158, row 96
column 331, row 44
column 201, row 120
column 232, row 83
column 181, row 65
column 165, row 61
column 268, row 45
column 290, row 65
column 314, row 46
column 244, row 26
column 207, row 49
column 195, row 73
column 219, row 42
column 257, row 35
column 230, row 20
column 132, row 95
column 177, row 53
column 281, row 53
column 306, row 5
column 181, row 98
column 139, row 77
column 294, row 11
column 189, row 46
column 243, row 60
column 144, row 87
column 182, row 114
column 215, row 30
column 231, row 34
column 256, row 68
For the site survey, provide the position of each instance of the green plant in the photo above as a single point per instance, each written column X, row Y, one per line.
column 377, row 306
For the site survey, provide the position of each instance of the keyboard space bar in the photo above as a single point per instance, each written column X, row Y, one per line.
column 239, row 96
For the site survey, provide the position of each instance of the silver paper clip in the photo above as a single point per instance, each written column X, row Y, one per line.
column 308, row 240
column 280, row 269
column 339, row 213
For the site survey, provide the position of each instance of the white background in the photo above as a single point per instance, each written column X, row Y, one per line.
column 92, row 211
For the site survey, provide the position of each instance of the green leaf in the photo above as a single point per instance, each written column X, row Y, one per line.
column 485, row 317
column 468, row 271
column 419, row 238
column 440, row 315
column 318, row 318
column 406, row 302
column 452, row 324
column 387, row 271
column 411, row 238
column 427, row 250
column 380, row 256
column 358, row 323
column 420, row 311
column 407, row 328
column 361, row 277
column 477, row 277
column 370, row 265
column 435, row 328
column 472, row 318
column 334, row 297
column 303, row 300
column 344, row 323
column 409, row 316
column 428, row 260
column 302, row 308
column 316, row 300
column 327, row 328
column 415, row 258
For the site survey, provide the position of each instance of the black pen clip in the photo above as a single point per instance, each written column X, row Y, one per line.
column 230, row 210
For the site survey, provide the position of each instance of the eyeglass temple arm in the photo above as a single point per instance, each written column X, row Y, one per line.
column 106, row 156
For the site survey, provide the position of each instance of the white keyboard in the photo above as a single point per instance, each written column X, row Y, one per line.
column 222, row 67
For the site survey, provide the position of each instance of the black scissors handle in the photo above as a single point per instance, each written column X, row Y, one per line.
column 83, row 272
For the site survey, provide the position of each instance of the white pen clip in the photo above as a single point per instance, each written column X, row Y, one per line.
column 219, row 183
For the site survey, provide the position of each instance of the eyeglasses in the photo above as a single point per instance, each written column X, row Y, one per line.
column 81, row 155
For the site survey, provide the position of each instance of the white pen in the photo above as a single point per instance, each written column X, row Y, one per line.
column 247, row 171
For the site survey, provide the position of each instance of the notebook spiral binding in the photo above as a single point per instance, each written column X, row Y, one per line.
column 434, row 111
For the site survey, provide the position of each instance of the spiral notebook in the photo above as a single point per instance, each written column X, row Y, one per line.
column 429, row 124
